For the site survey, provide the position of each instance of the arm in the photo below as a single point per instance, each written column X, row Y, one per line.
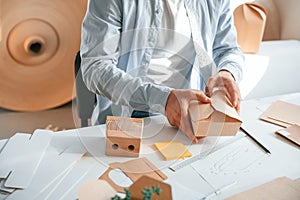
column 100, row 52
column 228, row 57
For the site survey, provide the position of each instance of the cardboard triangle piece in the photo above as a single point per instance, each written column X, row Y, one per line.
column 215, row 119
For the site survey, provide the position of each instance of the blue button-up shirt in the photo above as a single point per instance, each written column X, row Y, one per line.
column 118, row 39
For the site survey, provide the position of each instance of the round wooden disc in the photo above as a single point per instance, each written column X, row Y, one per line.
column 38, row 44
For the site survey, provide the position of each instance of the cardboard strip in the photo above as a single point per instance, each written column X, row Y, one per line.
column 291, row 133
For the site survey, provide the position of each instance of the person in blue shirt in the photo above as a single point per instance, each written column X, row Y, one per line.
column 156, row 56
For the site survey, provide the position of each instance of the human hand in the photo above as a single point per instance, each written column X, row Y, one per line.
column 177, row 109
column 225, row 81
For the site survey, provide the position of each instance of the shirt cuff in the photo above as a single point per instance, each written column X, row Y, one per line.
column 158, row 98
column 237, row 75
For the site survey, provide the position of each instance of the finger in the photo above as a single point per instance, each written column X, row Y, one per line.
column 209, row 87
column 238, row 108
column 234, row 93
column 199, row 96
column 186, row 128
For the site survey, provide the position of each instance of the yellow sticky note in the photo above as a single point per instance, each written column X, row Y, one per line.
column 172, row 150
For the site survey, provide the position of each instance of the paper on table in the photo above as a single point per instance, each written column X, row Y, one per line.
column 282, row 113
column 145, row 167
column 180, row 191
column 172, row 150
column 53, row 166
column 18, row 165
column 5, row 189
column 2, row 144
column 280, row 188
column 239, row 159
column 291, row 133
column 66, row 187
column 95, row 190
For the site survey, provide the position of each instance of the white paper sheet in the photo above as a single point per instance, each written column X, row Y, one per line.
column 54, row 165
column 2, row 144
column 5, row 189
column 67, row 185
column 232, row 163
column 21, row 157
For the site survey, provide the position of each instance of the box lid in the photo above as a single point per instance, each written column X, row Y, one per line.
column 200, row 111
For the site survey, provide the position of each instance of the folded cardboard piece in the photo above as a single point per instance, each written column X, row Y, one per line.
column 250, row 20
column 216, row 119
column 282, row 113
column 280, row 188
column 291, row 133
column 134, row 169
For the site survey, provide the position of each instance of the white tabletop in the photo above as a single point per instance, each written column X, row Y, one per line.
column 194, row 181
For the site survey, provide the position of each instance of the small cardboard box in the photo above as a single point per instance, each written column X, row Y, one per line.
column 123, row 136
column 250, row 20
column 215, row 119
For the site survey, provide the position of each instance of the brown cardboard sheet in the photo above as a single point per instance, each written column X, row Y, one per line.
column 282, row 113
column 250, row 20
column 291, row 133
column 134, row 169
column 148, row 182
column 277, row 189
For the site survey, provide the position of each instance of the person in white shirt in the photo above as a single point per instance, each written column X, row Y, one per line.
column 156, row 56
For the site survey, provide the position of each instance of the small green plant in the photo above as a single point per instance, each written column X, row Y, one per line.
column 147, row 192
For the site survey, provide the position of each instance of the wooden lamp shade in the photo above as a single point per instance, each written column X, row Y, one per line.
column 38, row 44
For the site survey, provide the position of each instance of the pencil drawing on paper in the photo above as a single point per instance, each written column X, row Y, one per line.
column 240, row 160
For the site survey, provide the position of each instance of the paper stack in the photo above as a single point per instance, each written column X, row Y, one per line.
column 45, row 165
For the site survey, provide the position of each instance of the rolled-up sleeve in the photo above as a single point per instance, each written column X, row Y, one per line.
column 226, row 52
column 100, row 52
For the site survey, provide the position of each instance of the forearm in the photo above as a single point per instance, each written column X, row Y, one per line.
column 104, row 78
column 227, row 53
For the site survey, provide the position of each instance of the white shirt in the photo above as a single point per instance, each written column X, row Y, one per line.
column 118, row 42
column 174, row 52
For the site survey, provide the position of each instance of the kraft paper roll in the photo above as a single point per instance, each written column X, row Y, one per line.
column 38, row 44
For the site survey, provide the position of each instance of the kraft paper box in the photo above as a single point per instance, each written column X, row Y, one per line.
column 216, row 119
column 250, row 20
column 123, row 136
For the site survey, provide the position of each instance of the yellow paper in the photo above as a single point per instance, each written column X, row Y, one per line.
column 172, row 150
